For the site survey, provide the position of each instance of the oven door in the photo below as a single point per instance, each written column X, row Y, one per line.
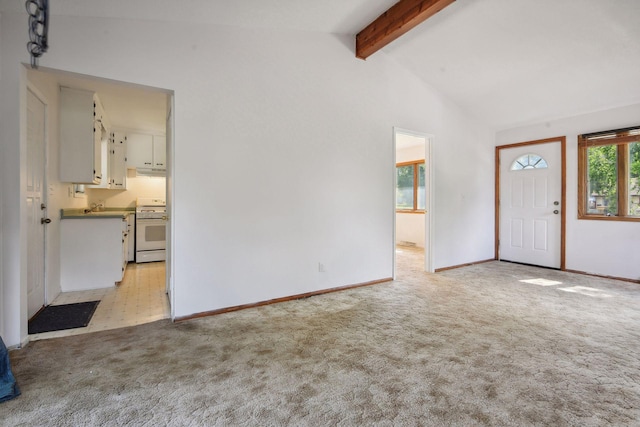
column 151, row 234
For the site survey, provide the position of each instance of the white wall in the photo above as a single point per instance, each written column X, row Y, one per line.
column 599, row 247
column 410, row 227
column 12, row 98
column 283, row 155
column 2, row 201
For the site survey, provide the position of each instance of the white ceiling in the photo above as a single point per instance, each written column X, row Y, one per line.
column 405, row 141
column 508, row 62
column 513, row 62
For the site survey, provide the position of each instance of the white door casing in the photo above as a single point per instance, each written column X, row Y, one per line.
column 169, row 202
column 35, row 201
column 530, row 206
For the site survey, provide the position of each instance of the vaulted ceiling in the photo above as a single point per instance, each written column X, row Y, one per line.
column 508, row 62
column 514, row 62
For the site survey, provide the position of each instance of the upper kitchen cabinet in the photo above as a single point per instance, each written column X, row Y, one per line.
column 159, row 152
column 83, row 127
column 118, row 164
column 145, row 151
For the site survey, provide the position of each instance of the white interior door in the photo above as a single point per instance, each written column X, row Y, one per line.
column 530, row 202
column 36, row 210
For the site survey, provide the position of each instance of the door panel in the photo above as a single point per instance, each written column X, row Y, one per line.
column 34, row 201
column 530, row 220
column 516, row 232
column 540, row 235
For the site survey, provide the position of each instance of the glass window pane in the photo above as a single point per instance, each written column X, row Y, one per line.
column 421, row 187
column 602, row 180
column 404, row 189
column 634, row 179
column 529, row 161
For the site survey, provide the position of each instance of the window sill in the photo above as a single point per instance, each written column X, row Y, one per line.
column 610, row 218
column 410, row 211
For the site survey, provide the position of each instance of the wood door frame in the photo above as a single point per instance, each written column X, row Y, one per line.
column 563, row 201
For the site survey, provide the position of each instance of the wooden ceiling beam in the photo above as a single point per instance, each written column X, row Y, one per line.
column 399, row 19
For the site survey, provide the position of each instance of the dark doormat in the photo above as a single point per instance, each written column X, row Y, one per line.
column 66, row 316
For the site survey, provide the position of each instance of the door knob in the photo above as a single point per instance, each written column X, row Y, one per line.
column 45, row 221
column 556, row 203
column 556, row 212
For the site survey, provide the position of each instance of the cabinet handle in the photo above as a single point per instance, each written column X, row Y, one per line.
column 147, row 163
column 159, row 164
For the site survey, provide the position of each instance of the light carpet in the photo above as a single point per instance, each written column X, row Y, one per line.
column 472, row 346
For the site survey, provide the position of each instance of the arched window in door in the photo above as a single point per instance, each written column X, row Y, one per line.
column 529, row 161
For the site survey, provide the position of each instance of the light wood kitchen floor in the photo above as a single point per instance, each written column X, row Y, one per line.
column 139, row 298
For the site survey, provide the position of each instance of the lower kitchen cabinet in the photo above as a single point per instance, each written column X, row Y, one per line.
column 93, row 252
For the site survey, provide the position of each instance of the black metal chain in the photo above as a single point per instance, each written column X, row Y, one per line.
column 38, row 11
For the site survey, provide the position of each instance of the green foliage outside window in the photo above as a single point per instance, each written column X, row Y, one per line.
column 404, row 189
column 602, row 163
column 603, row 179
column 634, row 178
column 410, row 187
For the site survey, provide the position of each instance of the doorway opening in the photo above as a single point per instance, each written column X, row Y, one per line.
column 143, row 294
column 412, row 202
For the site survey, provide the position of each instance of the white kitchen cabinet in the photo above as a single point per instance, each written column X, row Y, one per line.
column 104, row 167
column 92, row 252
column 125, row 245
column 139, row 150
column 118, row 161
column 83, row 127
column 159, row 152
column 146, row 151
column 114, row 167
column 131, row 229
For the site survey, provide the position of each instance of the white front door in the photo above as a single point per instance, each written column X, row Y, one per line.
column 530, row 203
column 36, row 211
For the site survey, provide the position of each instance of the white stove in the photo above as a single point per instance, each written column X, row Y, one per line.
column 151, row 218
column 150, row 208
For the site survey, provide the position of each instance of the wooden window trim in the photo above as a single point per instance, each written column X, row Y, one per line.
column 620, row 138
column 416, row 183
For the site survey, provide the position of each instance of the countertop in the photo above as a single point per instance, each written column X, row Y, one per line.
column 104, row 213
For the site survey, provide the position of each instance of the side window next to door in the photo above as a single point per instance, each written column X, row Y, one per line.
column 609, row 175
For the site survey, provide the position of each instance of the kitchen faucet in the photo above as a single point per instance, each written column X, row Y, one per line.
column 93, row 208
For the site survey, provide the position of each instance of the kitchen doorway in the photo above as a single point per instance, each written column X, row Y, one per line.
column 143, row 293
column 413, row 183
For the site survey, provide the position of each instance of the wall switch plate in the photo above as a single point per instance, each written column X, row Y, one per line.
column 321, row 268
